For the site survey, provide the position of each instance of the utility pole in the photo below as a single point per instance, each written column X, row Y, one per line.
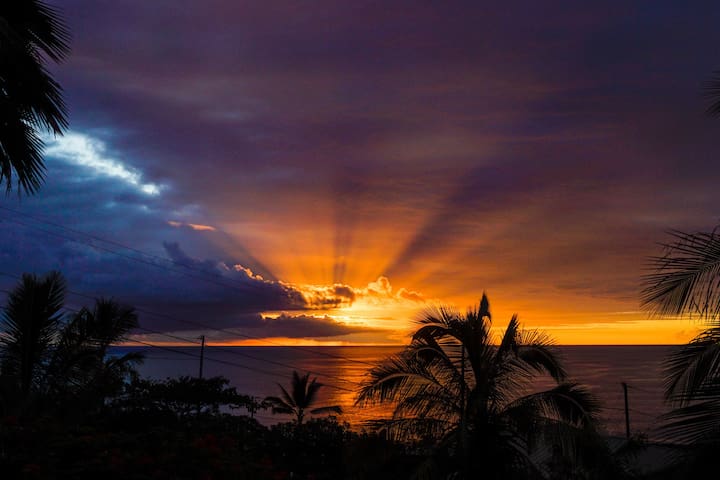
column 462, row 386
column 627, row 412
column 463, row 439
column 202, row 354
column 254, row 405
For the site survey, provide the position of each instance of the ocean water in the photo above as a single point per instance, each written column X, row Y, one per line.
column 257, row 371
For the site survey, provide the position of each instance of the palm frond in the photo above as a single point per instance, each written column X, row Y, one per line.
column 311, row 391
column 568, row 403
column 445, row 360
column 690, row 367
column 125, row 361
column 29, row 324
column 337, row 409
column 112, row 322
column 537, row 351
column 484, row 308
column 410, row 429
column 438, row 315
column 287, row 399
column 684, row 280
column 278, row 405
column 693, row 424
column 30, row 33
column 39, row 24
column 712, row 91
column 521, row 356
column 510, row 338
column 396, row 377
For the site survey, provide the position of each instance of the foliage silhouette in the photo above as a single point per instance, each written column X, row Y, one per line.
column 692, row 387
column 303, row 394
column 31, row 102
column 183, row 396
column 712, row 90
column 684, row 282
column 47, row 362
column 30, row 325
column 472, row 401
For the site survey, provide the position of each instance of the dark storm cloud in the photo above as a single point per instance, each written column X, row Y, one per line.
column 173, row 290
column 237, row 100
column 556, row 140
column 304, row 326
column 254, row 326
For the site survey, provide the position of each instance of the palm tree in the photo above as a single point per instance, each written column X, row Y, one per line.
column 684, row 282
column 692, row 386
column 712, row 90
column 45, row 360
column 30, row 99
column 30, row 325
column 80, row 365
column 474, row 400
column 302, row 397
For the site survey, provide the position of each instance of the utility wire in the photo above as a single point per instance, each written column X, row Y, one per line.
column 238, row 286
column 644, row 390
column 225, row 362
column 246, row 355
column 132, row 258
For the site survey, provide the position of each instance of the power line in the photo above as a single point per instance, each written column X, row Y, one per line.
column 98, row 238
column 186, row 340
column 243, row 335
column 190, row 341
column 632, row 410
column 216, row 360
column 234, row 352
column 211, row 277
column 644, row 390
column 173, row 359
column 226, row 362
column 644, row 414
column 237, row 286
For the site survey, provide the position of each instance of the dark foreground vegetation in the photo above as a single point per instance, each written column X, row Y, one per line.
column 463, row 404
column 157, row 443
column 464, row 407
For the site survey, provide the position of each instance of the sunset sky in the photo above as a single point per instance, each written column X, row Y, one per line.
column 320, row 172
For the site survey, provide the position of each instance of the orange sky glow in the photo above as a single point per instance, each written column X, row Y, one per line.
column 261, row 177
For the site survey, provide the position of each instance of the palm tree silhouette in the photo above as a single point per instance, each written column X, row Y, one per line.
column 712, row 90
column 80, row 364
column 474, row 399
column 31, row 321
column 684, row 282
column 30, row 99
column 303, row 393
column 692, row 386
column 46, row 360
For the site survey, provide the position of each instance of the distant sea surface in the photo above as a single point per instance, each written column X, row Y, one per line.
column 257, row 371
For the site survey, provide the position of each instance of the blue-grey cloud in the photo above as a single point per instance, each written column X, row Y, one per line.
column 555, row 142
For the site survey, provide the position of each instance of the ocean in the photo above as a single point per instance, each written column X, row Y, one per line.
column 256, row 371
